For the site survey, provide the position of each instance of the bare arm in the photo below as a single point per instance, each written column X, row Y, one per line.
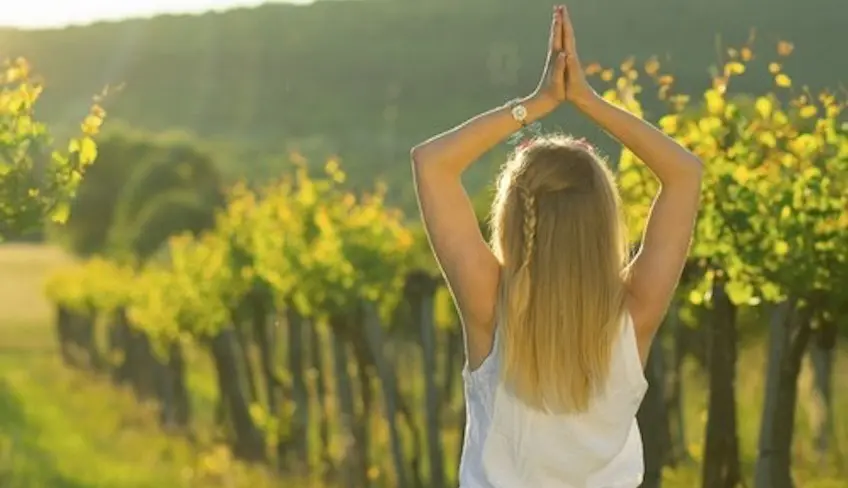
column 669, row 161
column 468, row 264
column 656, row 269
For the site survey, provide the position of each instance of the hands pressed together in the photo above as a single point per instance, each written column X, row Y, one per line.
column 563, row 78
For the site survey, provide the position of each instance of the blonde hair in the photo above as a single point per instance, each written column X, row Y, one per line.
column 559, row 234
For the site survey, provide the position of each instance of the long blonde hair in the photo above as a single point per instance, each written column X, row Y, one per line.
column 558, row 231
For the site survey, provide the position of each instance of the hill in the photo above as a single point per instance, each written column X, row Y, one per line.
column 367, row 79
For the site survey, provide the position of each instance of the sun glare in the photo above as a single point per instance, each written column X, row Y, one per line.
column 57, row 13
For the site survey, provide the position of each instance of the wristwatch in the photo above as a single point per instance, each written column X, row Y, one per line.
column 519, row 113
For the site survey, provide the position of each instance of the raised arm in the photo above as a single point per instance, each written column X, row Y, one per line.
column 656, row 269
column 467, row 262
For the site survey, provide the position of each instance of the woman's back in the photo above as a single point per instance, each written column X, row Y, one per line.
column 510, row 445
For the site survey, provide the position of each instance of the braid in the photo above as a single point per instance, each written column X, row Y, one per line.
column 529, row 202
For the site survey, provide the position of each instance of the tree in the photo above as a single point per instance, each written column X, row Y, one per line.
column 772, row 218
column 36, row 180
column 142, row 191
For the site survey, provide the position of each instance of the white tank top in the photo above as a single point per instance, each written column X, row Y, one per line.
column 509, row 445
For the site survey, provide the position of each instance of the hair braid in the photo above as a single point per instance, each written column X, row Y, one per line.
column 529, row 202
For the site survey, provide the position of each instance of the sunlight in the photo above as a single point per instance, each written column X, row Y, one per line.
column 57, row 13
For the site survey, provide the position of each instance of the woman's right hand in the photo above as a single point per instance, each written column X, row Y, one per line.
column 577, row 89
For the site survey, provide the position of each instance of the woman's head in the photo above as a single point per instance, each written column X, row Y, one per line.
column 558, row 231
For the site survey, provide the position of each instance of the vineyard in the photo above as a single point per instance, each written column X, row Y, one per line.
column 335, row 349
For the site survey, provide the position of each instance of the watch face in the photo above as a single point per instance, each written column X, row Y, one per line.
column 519, row 112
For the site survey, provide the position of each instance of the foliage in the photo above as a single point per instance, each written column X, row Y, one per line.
column 324, row 250
column 143, row 190
column 189, row 294
column 308, row 241
column 774, row 191
column 98, row 436
column 36, row 181
column 401, row 83
column 94, row 285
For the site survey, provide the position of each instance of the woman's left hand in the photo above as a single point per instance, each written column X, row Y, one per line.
column 552, row 86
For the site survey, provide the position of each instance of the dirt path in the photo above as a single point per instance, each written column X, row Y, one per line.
column 23, row 270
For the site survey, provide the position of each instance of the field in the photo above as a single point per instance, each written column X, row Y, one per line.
column 245, row 295
column 53, row 435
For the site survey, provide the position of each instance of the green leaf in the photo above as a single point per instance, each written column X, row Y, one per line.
column 696, row 297
column 60, row 213
column 740, row 293
column 771, row 292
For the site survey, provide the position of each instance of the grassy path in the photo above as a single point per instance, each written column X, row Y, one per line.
column 53, row 435
column 65, row 429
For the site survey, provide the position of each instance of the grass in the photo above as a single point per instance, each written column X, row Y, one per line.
column 808, row 470
column 65, row 429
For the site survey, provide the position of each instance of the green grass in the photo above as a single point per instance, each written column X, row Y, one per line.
column 808, row 470
column 65, row 429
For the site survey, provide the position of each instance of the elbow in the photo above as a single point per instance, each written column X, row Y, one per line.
column 692, row 172
column 415, row 156
column 687, row 174
column 436, row 159
column 416, row 159
column 426, row 163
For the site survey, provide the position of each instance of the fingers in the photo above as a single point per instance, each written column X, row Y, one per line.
column 561, row 63
column 568, row 33
column 556, row 40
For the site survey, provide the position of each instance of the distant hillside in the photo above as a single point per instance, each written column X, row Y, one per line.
column 368, row 78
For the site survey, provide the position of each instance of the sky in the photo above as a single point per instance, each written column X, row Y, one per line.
column 57, row 13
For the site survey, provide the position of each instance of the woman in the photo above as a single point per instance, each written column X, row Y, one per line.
column 557, row 322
